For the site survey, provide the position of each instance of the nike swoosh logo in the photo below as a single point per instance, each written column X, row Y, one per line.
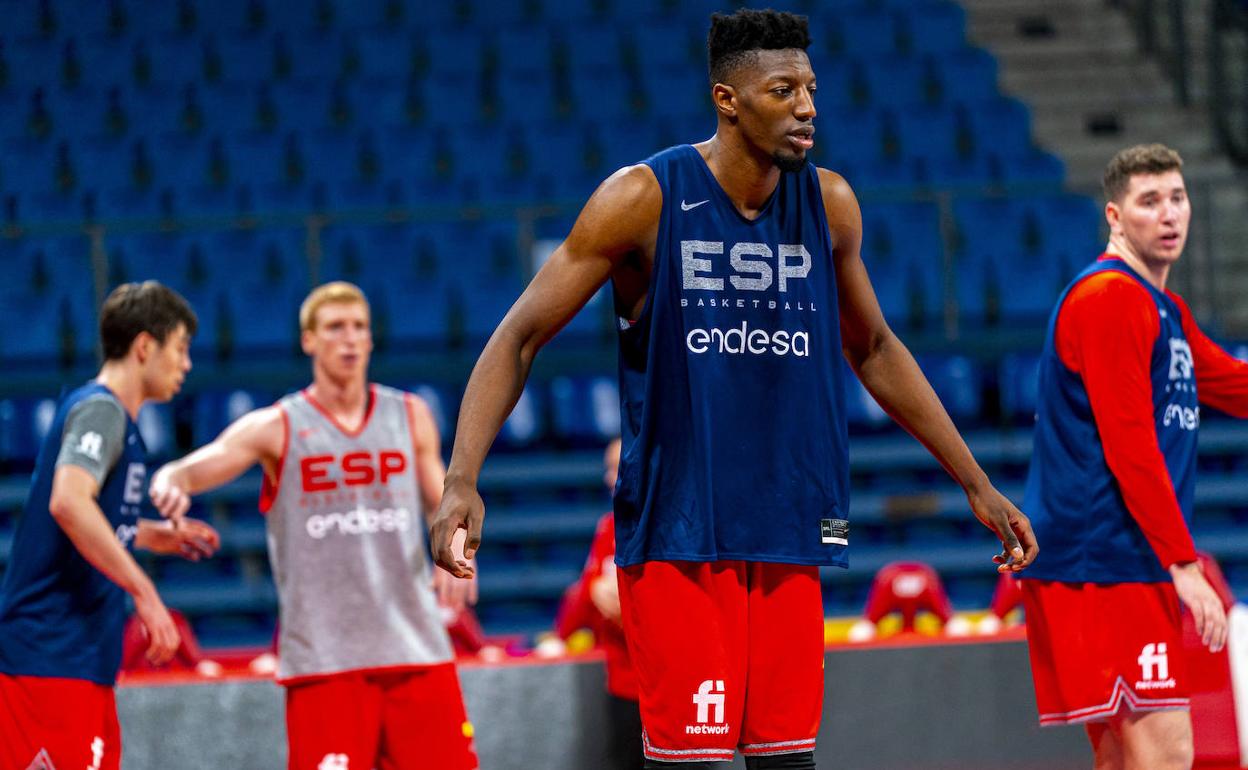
column 691, row 206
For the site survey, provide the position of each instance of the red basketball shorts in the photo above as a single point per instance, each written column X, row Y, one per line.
column 1098, row 649
column 410, row 719
column 57, row 723
column 728, row 654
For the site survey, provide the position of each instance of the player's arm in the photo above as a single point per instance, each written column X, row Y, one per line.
column 893, row 378
column 91, row 446
column 1221, row 379
column 1106, row 331
column 452, row 591
column 256, row 437
column 615, row 223
column 191, row 539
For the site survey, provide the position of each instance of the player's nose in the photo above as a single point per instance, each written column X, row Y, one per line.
column 804, row 106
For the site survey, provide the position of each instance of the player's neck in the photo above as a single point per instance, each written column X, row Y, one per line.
column 346, row 400
column 1155, row 272
column 748, row 179
column 125, row 383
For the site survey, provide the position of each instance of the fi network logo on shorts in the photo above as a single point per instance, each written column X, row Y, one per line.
column 334, row 762
column 1154, row 668
column 710, row 702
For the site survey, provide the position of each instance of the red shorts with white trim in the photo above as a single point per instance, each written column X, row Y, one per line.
column 404, row 719
column 1099, row 649
column 728, row 654
column 48, row 723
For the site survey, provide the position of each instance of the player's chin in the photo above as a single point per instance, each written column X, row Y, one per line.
column 789, row 160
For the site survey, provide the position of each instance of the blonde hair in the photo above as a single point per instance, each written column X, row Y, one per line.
column 1140, row 159
column 334, row 292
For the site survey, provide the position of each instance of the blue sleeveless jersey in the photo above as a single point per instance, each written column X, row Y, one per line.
column 1085, row 531
column 60, row 616
column 732, row 400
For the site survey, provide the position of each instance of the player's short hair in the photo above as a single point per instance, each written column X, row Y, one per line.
column 1140, row 159
column 133, row 308
column 735, row 38
column 334, row 292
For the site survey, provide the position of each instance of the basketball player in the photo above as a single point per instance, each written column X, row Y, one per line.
column 350, row 469
column 63, row 600
column 738, row 281
column 593, row 602
column 1123, row 375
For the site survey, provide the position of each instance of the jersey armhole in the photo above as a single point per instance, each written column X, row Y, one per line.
column 270, row 489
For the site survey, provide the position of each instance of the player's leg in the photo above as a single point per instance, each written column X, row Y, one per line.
column 333, row 723
column 784, row 688
column 69, row 722
column 1106, row 746
column 111, row 758
column 624, row 724
column 423, row 721
column 1156, row 740
column 686, row 627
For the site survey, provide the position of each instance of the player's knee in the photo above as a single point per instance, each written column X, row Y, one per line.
column 802, row 761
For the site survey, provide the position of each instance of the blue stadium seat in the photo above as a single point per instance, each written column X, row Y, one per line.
column 524, row 51
column 665, row 48
column 442, row 402
column 593, row 50
column 895, row 81
column 454, row 51
column 24, row 422
column 1001, row 125
column 44, row 329
column 862, row 32
column 1019, row 378
column 904, row 253
column 527, row 422
column 1034, row 168
column 387, row 54
column 263, row 321
column 957, row 382
column 929, row 133
column 967, row 75
column 607, row 94
column 33, row 62
column 106, row 62
column 268, row 259
column 585, row 409
column 936, row 27
column 156, row 426
column 213, row 410
column 526, row 98
column 176, row 61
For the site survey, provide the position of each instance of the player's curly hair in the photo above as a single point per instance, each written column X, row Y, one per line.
column 734, row 38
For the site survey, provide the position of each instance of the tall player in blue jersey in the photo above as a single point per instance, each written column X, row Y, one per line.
column 738, row 281
column 62, row 604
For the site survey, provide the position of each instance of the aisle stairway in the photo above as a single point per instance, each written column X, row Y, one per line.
column 1078, row 65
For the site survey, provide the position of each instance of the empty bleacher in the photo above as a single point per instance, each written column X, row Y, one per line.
column 244, row 150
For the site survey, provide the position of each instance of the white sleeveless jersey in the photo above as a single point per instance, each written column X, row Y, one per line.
column 346, row 541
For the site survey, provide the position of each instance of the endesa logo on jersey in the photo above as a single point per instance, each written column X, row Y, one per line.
column 759, row 278
column 326, row 473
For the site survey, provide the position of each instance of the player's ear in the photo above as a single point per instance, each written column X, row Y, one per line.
column 1113, row 215
column 724, row 98
column 142, row 346
column 305, row 341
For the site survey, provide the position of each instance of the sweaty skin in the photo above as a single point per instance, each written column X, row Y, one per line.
column 765, row 120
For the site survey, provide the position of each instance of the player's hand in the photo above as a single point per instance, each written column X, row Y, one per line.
column 162, row 634
column 1203, row 602
column 453, row 592
column 191, row 539
column 461, row 509
column 1018, row 542
column 604, row 592
column 170, row 499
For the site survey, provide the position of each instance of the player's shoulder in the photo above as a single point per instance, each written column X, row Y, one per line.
column 635, row 183
column 839, row 202
column 1109, row 287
